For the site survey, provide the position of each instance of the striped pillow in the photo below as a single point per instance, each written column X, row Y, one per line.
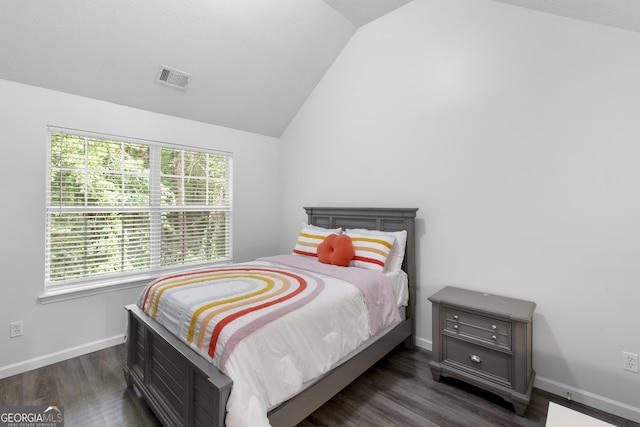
column 310, row 237
column 371, row 251
column 396, row 256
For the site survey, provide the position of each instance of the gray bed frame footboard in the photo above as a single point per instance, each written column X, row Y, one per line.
column 185, row 390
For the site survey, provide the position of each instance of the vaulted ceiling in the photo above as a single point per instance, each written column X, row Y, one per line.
column 623, row 14
column 253, row 62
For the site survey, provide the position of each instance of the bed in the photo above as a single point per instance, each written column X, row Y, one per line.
column 183, row 388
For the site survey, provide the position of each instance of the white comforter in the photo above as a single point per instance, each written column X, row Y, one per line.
column 273, row 363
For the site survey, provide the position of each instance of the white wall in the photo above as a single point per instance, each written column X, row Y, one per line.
column 56, row 331
column 515, row 133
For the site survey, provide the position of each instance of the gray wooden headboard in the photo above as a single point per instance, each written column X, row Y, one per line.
column 385, row 219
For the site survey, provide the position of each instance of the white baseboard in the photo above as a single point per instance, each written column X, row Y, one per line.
column 39, row 362
column 590, row 399
column 425, row 344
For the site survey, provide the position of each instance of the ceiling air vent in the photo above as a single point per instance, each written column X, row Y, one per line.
column 172, row 77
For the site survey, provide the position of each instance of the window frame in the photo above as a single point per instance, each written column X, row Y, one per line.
column 55, row 290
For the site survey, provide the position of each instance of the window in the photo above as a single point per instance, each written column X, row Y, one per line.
column 123, row 210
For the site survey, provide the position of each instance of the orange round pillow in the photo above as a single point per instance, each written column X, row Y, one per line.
column 336, row 249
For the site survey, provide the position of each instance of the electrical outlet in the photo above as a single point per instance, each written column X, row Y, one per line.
column 630, row 362
column 17, row 328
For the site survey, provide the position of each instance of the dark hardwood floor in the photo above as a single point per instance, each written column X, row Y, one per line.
column 397, row 391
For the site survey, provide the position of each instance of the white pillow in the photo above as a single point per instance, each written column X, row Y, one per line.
column 310, row 237
column 396, row 256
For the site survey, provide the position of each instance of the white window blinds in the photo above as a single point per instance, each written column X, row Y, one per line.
column 121, row 209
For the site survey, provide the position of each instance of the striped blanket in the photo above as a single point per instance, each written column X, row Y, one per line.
column 215, row 309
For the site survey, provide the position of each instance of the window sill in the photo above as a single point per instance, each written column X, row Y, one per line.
column 73, row 293
column 107, row 286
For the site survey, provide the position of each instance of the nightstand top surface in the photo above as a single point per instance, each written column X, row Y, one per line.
column 512, row 308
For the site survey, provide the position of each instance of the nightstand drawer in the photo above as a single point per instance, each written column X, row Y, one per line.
column 483, row 362
column 482, row 328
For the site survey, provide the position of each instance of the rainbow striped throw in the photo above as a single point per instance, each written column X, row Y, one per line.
column 215, row 309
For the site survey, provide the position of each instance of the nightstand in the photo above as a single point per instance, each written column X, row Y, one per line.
column 484, row 340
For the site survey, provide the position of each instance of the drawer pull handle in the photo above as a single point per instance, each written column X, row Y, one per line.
column 475, row 359
column 455, row 317
column 494, row 327
column 455, row 326
column 493, row 337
